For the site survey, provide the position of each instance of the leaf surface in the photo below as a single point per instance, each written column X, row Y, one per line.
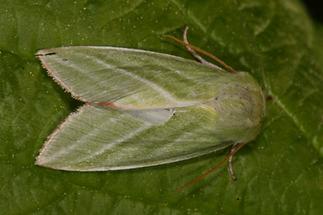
column 279, row 173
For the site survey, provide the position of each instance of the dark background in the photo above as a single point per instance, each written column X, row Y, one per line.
column 315, row 9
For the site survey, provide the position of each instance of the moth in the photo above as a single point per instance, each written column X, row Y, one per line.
column 144, row 108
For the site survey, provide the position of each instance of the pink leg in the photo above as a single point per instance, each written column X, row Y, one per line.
column 235, row 148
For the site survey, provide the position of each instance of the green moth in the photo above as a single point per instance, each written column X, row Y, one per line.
column 144, row 108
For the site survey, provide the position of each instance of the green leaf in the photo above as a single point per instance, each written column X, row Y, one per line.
column 279, row 173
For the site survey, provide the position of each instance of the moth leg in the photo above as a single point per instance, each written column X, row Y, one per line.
column 235, row 148
column 228, row 158
column 230, row 167
column 194, row 53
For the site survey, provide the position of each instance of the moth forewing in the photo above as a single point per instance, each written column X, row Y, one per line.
column 130, row 78
column 99, row 139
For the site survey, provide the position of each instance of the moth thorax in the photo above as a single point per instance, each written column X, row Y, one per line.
column 240, row 110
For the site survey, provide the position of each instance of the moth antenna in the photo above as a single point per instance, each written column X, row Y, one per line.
column 193, row 53
column 201, row 51
column 228, row 159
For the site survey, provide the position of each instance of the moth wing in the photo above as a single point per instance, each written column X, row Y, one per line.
column 99, row 139
column 129, row 77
